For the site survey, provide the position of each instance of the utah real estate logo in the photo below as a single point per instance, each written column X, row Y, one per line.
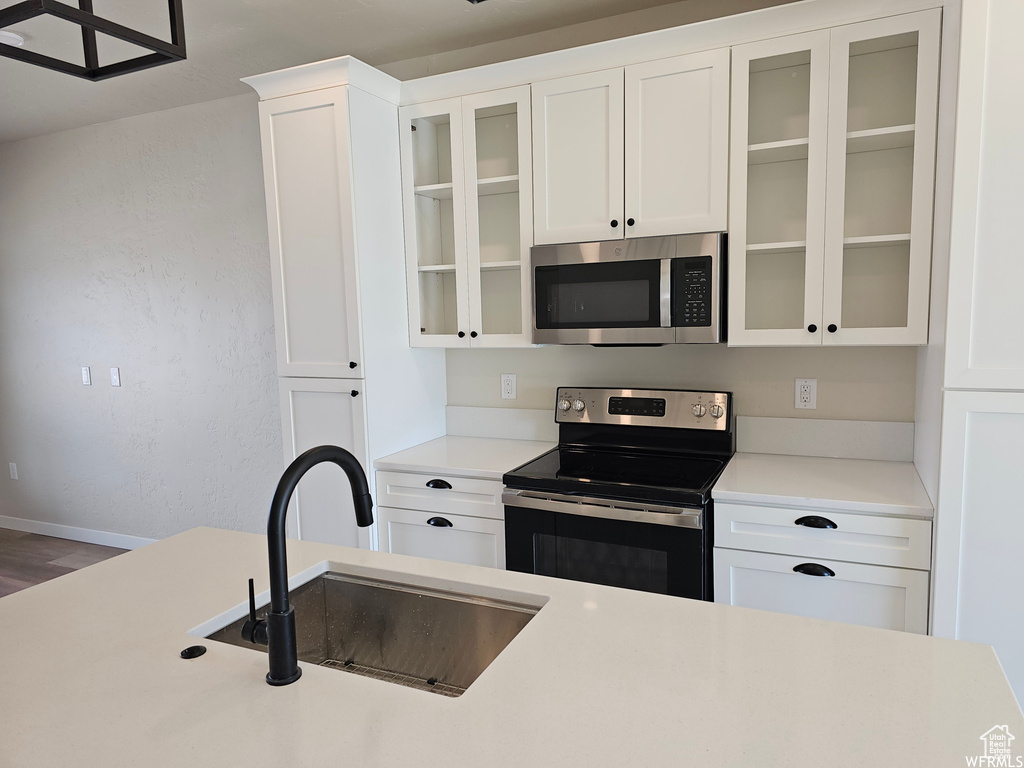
column 997, row 751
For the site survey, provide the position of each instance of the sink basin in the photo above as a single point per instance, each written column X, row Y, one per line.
column 431, row 639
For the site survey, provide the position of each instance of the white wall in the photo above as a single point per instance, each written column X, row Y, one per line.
column 140, row 243
column 857, row 383
column 672, row 14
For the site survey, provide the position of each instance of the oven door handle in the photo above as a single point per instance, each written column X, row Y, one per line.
column 611, row 509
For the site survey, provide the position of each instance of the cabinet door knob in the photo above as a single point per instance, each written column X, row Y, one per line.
column 813, row 569
column 472, row 334
column 631, row 222
column 352, row 364
column 462, row 334
column 615, row 223
column 354, row 393
column 438, row 483
column 814, row 521
column 812, row 328
column 833, row 328
column 439, row 522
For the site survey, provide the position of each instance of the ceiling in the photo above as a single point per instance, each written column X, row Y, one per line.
column 229, row 39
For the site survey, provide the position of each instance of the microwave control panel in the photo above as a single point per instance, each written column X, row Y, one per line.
column 691, row 292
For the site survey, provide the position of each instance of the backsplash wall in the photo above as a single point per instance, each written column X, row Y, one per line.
column 856, row 383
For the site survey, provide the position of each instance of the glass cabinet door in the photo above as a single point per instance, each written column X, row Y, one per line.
column 433, row 186
column 881, row 162
column 777, row 215
column 499, row 220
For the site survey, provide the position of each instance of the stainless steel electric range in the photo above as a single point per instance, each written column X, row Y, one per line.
column 625, row 498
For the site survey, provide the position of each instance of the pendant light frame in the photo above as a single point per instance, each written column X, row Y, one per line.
column 162, row 52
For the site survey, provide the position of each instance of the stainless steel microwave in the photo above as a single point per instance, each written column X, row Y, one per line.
column 649, row 290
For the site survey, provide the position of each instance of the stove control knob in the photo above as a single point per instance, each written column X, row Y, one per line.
column 699, row 410
column 579, row 406
column 564, row 405
column 716, row 411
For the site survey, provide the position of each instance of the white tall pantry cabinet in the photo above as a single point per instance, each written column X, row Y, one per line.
column 334, row 214
column 979, row 547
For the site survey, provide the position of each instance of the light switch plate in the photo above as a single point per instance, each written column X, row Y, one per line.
column 115, row 377
column 86, row 376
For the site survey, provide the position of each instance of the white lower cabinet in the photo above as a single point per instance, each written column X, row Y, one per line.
column 324, row 412
column 841, row 566
column 442, row 517
column 872, row 595
column 460, row 539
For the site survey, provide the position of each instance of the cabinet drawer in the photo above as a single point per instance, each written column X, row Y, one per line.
column 856, row 538
column 871, row 595
column 464, row 496
column 469, row 540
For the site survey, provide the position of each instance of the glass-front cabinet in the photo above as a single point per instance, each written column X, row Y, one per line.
column 468, row 229
column 831, row 212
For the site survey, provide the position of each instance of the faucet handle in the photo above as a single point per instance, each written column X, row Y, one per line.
column 254, row 630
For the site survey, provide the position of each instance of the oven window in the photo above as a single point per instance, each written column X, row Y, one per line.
column 597, row 562
column 619, row 294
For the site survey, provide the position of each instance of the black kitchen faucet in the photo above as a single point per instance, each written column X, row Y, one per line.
column 277, row 631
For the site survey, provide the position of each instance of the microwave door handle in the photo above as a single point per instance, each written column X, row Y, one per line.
column 666, row 293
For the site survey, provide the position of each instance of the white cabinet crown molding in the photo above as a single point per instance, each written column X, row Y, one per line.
column 343, row 70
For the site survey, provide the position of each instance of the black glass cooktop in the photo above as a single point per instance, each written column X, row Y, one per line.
column 669, row 478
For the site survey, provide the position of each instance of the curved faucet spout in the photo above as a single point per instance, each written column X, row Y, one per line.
column 284, row 667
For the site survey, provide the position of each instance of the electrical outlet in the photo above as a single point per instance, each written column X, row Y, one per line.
column 14, row 471
column 508, row 386
column 807, row 393
column 115, row 377
column 86, row 376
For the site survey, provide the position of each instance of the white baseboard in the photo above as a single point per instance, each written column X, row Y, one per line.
column 119, row 540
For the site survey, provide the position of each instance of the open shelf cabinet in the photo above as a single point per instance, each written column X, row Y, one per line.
column 831, row 210
column 468, row 233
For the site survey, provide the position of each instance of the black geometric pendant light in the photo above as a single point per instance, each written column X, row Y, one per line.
column 162, row 52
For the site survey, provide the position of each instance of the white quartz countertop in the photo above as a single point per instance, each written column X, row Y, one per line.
column 91, row 676
column 483, row 457
column 853, row 485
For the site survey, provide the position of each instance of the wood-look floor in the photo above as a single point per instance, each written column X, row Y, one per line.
column 27, row 559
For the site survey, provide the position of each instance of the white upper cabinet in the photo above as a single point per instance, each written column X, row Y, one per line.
column 677, row 152
column 467, row 230
column 833, row 161
column 984, row 343
column 633, row 152
column 777, row 204
column 578, row 155
column 310, row 218
column 883, row 96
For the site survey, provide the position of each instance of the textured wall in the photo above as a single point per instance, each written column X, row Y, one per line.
column 142, row 244
column 858, row 383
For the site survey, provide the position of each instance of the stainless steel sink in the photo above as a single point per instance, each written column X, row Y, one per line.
column 434, row 640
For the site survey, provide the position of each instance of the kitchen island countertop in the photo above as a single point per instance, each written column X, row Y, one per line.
column 600, row 677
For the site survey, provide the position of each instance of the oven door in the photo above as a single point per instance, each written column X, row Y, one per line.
column 651, row 549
